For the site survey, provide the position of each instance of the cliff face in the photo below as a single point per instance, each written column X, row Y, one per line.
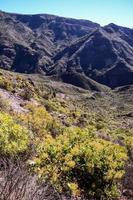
column 63, row 47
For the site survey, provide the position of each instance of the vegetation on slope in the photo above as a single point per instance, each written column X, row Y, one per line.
column 78, row 150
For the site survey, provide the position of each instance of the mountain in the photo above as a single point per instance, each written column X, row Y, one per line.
column 105, row 55
column 79, row 52
column 66, row 128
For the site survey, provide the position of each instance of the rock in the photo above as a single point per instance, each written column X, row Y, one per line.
column 78, row 52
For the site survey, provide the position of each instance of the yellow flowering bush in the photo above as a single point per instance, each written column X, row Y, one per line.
column 14, row 139
column 79, row 163
column 38, row 120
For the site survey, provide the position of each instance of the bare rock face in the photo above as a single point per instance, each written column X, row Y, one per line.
column 75, row 51
column 102, row 56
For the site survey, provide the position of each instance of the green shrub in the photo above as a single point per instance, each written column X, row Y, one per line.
column 26, row 94
column 55, row 105
column 76, row 162
column 6, row 83
column 14, row 139
column 39, row 121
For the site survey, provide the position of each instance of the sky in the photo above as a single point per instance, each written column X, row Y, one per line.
column 101, row 11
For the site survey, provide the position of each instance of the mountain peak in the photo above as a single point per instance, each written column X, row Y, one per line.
column 56, row 45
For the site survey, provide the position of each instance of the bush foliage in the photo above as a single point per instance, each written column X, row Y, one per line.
column 80, row 164
column 77, row 152
column 14, row 138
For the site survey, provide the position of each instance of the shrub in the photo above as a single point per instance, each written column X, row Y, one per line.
column 6, row 84
column 38, row 120
column 76, row 162
column 55, row 105
column 26, row 94
column 4, row 104
column 14, row 139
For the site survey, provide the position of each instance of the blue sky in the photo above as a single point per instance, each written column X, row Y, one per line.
column 101, row 11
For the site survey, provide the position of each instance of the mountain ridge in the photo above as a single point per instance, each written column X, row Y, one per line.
column 54, row 45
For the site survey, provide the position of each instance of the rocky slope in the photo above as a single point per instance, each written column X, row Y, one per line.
column 74, row 51
column 32, row 101
column 105, row 56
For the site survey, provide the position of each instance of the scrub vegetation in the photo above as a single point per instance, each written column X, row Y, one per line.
column 64, row 140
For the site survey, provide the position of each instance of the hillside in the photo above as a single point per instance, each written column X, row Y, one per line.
column 66, row 109
column 46, row 129
column 57, row 46
column 36, row 39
